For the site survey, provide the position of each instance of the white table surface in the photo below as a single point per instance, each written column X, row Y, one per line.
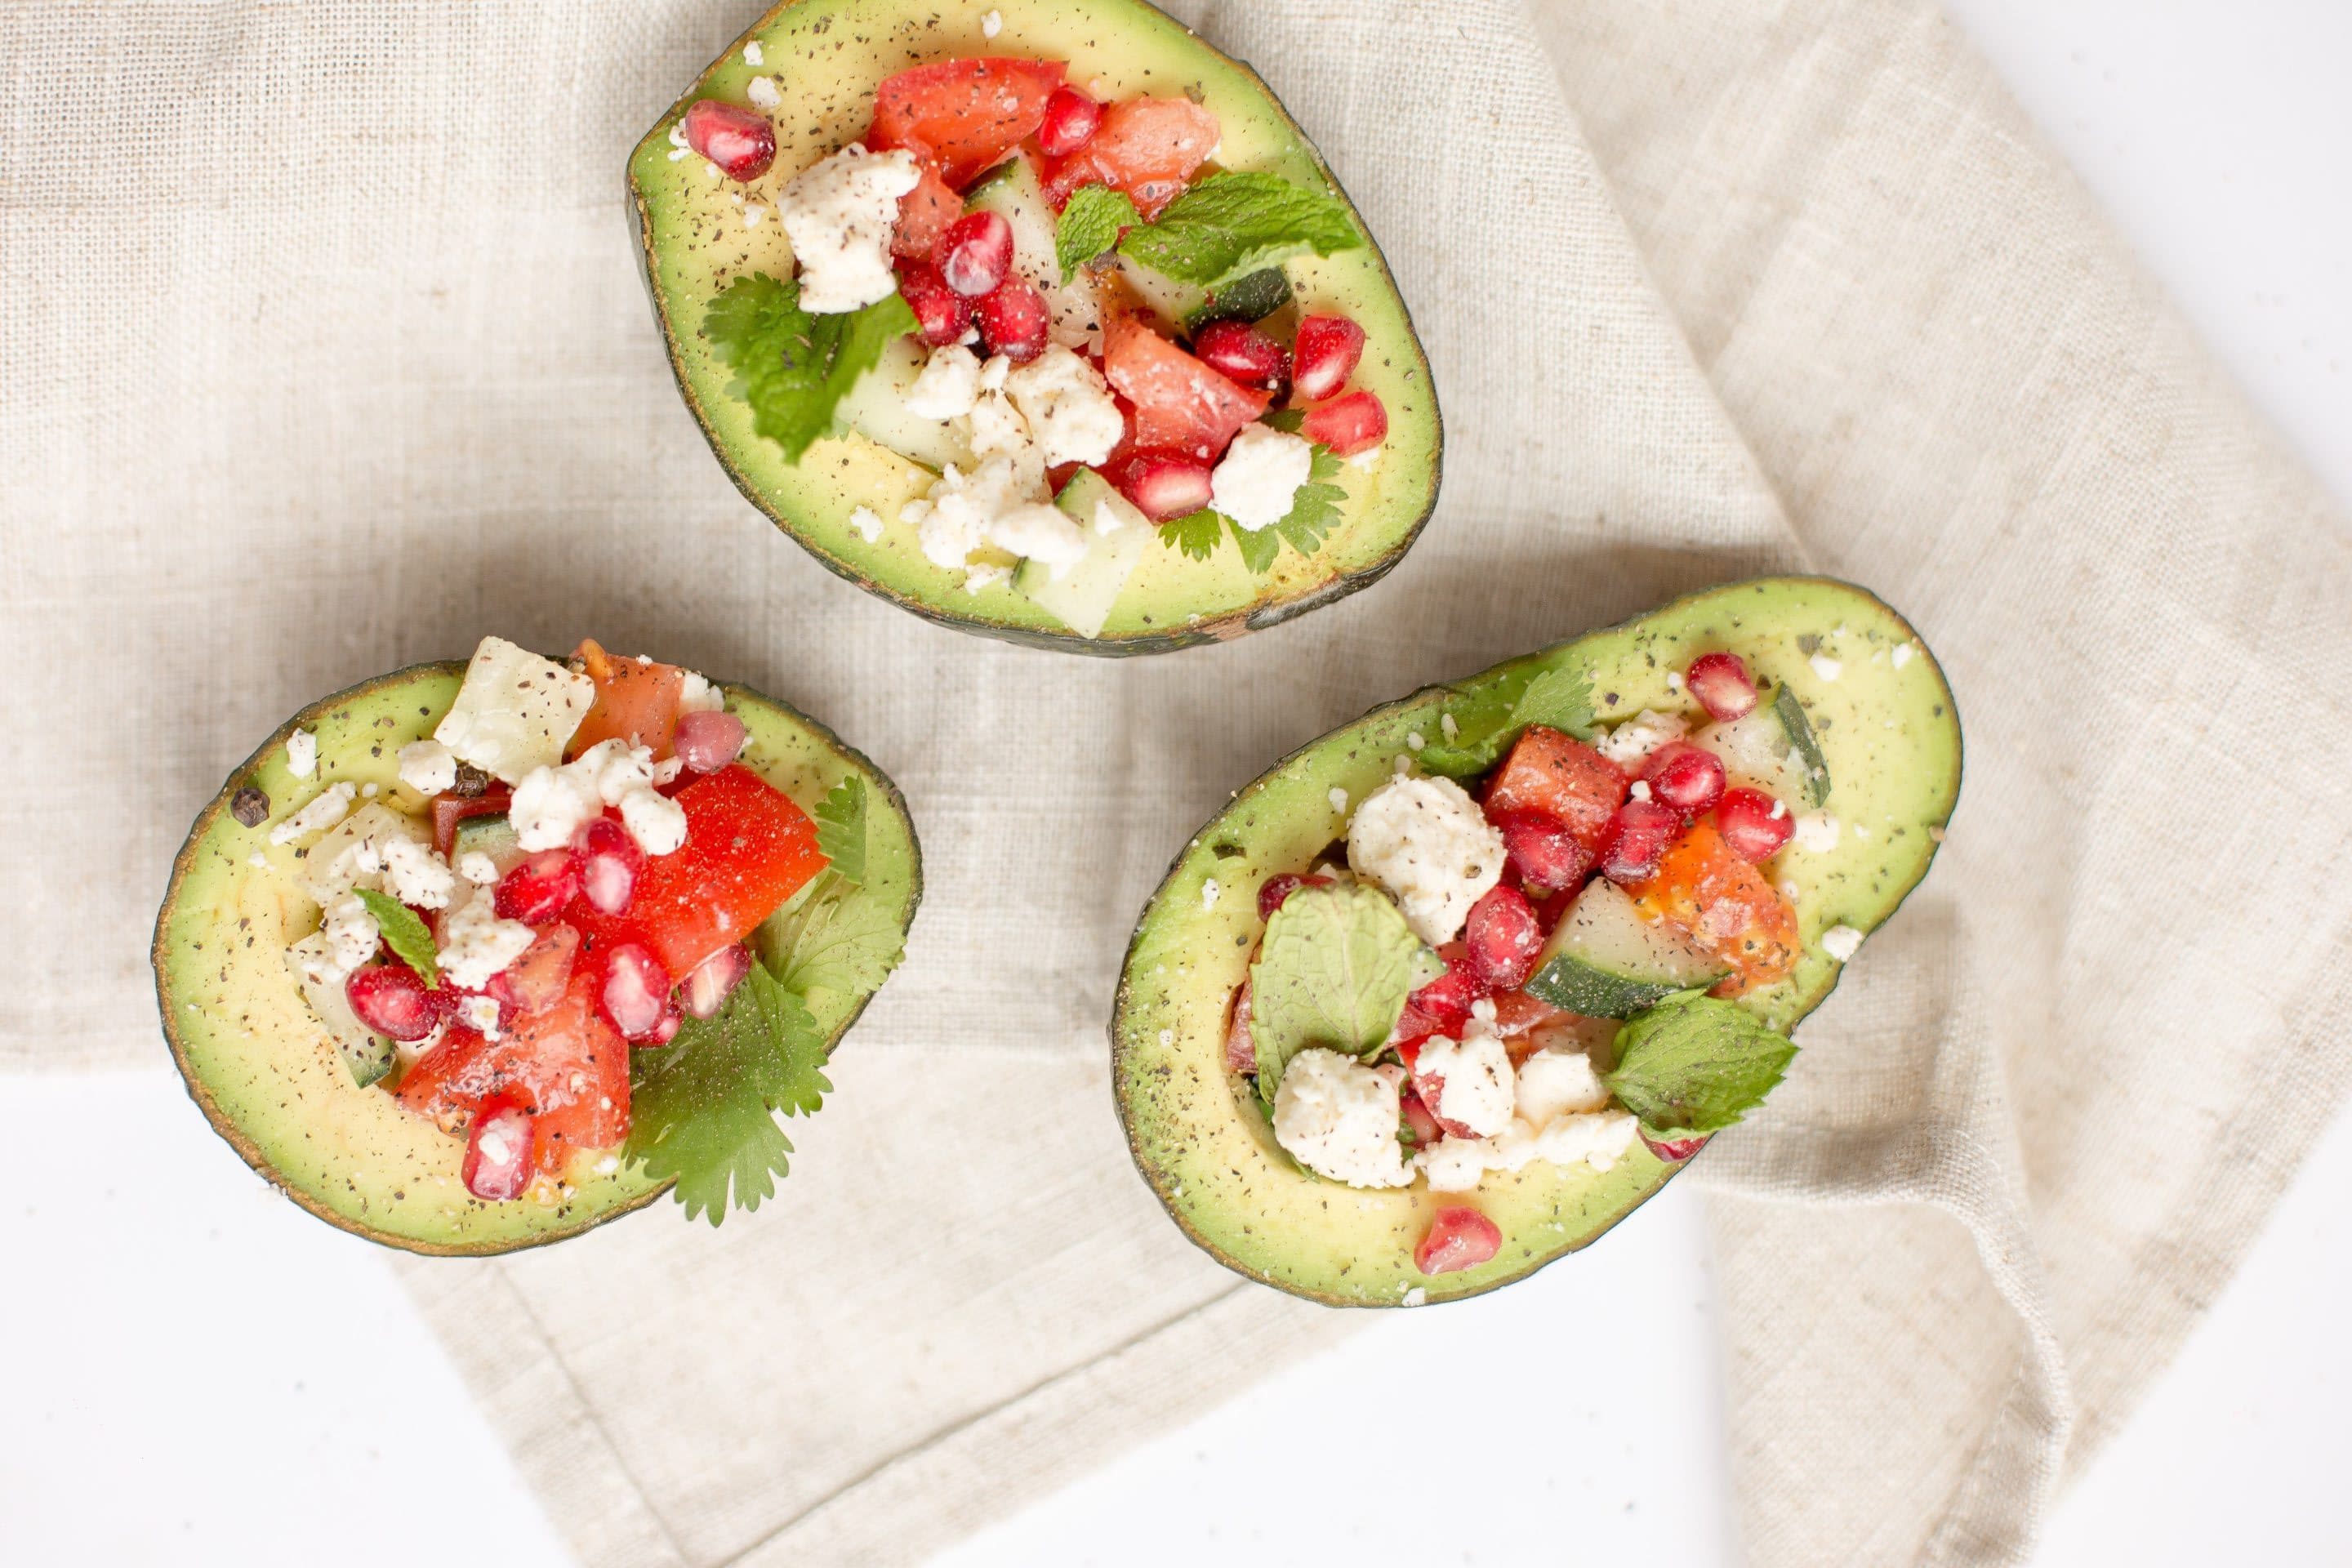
column 258, row 1390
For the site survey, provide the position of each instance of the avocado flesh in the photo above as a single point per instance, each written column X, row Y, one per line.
column 826, row 56
column 266, row 1071
column 1893, row 744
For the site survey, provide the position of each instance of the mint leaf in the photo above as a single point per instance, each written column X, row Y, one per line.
column 1259, row 546
column 1090, row 225
column 701, row 1110
column 793, row 367
column 1195, row 534
column 404, row 932
column 841, row 829
column 1488, row 717
column 1791, row 714
column 1333, row 972
column 1230, row 225
column 829, row 938
column 1696, row 1064
column 1315, row 506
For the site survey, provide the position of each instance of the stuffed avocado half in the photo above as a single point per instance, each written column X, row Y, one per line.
column 1511, row 949
column 1043, row 320
column 462, row 1009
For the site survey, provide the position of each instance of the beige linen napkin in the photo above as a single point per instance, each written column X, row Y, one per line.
column 321, row 349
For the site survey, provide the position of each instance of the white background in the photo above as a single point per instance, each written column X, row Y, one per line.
column 255, row 1389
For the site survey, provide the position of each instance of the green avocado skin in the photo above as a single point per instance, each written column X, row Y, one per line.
column 1891, row 736
column 267, row 1075
column 824, row 56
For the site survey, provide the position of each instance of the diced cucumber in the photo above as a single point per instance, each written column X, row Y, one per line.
column 1791, row 714
column 1011, row 190
column 1249, row 299
column 369, row 1056
column 1174, row 303
column 1606, row 961
column 1772, row 748
column 492, row 836
column 876, row 409
column 1083, row 595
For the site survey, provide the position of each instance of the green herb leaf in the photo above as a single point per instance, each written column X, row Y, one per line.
column 702, row 1111
column 841, row 829
column 1336, row 967
column 793, row 367
column 1560, row 699
column 1090, row 225
column 1259, row 546
column 404, row 932
column 1195, row 534
column 1791, row 714
column 1696, row 1064
column 1315, row 506
column 1230, row 225
column 1290, row 420
column 1488, row 719
column 829, row 938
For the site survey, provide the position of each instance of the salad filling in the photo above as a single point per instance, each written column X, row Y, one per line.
column 1061, row 304
column 1538, row 964
column 571, row 938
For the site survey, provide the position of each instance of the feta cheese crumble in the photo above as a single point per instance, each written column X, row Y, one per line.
column 753, row 54
column 839, row 213
column 1071, row 414
column 1554, row 1082
column 301, row 754
column 1338, row 798
column 1426, row 842
column 324, row 812
column 350, row 932
column 947, row 386
column 428, row 767
column 990, row 24
column 476, row 944
column 477, row 868
column 1629, row 744
column 415, row 875
column 480, row 1014
column 1259, row 475
column 1817, row 833
column 1479, row 1090
column 1825, row 666
column 867, row 521
column 697, row 695
column 1902, row 653
column 1208, row 891
column 1842, row 942
column 515, row 711
column 762, row 92
column 1339, row 1118
column 551, row 804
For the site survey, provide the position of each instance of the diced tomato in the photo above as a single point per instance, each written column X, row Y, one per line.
column 747, row 849
column 538, row 980
column 1241, row 1045
column 1564, row 778
column 1458, row 1237
column 1148, row 147
column 966, row 114
column 1704, row 889
column 1517, row 1013
column 564, row 1067
column 1179, row 403
column 634, row 702
column 448, row 810
column 925, row 216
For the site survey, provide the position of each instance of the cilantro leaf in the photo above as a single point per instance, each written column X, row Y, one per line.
column 701, row 1112
column 827, row 938
column 1800, row 729
column 1194, row 533
column 1315, row 506
column 1090, row 225
column 1230, row 225
column 841, row 829
column 404, row 932
column 1290, row 420
column 1259, row 546
column 793, row 366
column 1558, row 699
column 1335, row 969
column 1696, row 1064
column 1487, row 718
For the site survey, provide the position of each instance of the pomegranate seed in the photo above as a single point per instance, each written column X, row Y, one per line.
column 1688, row 778
column 635, row 992
column 1070, row 121
column 709, row 983
column 1162, row 484
column 1012, row 320
column 740, row 142
column 1673, row 1151
column 1241, row 1045
column 1274, row 890
column 1243, row 352
column 498, row 1151
column 1543, row 853
column 538, row 889
column 1417, row 1117
column 944, row 315
column 1754, row 824
column 1325, row 355
column 707, row 741
column 392, row 999
column 1412, row 1026
column 1502, row 939
column 672, row 1021
column 976, row 254
column 1637, row 838
column 1721, row 683
column 610, row 861
column 1446, row 1001
column 1350, row 424
column 1457, row 1238
column 535, row 982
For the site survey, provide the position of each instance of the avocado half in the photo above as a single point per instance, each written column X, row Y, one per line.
column 1892, row 739
column 825, row 56
column 266, row 1071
